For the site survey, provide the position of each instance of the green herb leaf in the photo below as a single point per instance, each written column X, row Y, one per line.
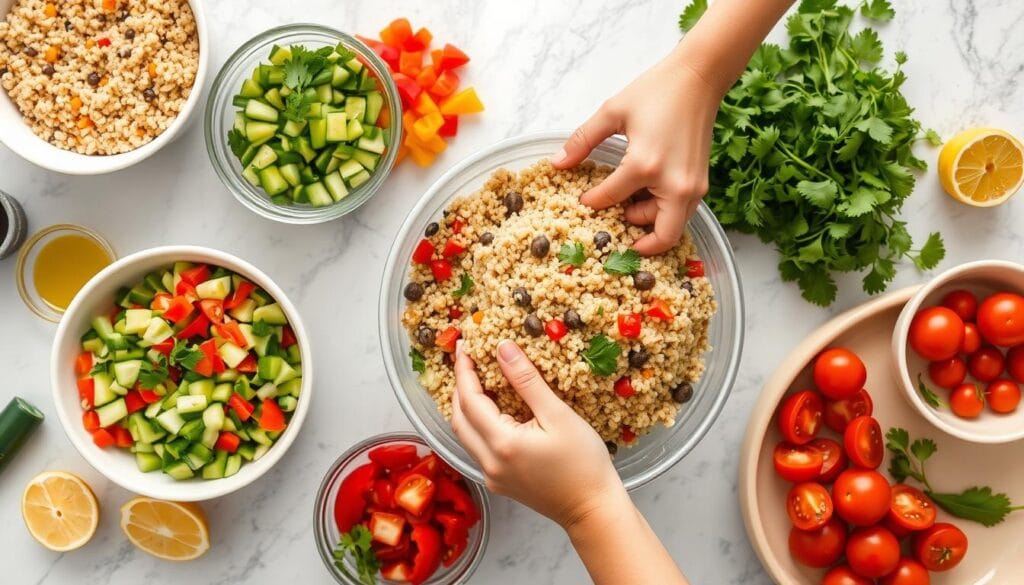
column 357, row 544
column 237, row 142
column 99, row 368
column 818, row 193
column 261, row 329
column 879, row 10
column 691, row 14
column 153, row 374
column 296, row 106
column 927, row 394
column 866, row 46
column 922, row 449
column 185, row 356
column 933, row 137
column 465, row 286
column 623, row 263
column 897, row 439
column 419, row 364
column 978, row 504
column 572, row 254
column 602, row 356
column 931, row 253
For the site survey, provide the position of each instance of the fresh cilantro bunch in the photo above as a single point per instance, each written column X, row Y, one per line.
column 357, row 543
column 812, row 152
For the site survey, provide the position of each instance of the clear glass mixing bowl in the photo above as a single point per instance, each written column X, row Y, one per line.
column 655, row 452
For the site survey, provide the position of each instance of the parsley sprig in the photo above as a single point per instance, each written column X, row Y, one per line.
column 299, row 71
column 419, row 364
column 185, row 356
column 979, row 503
column 153, row 374
column 812, row 152
column 357, row 543
column 623, row 263
column 465, row 286
column 602, row 356
column 573, row 254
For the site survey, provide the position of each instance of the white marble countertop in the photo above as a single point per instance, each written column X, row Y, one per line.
column 537, row 65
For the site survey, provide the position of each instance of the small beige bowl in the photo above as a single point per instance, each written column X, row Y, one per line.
column 982, row 278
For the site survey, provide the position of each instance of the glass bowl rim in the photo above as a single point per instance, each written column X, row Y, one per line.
column 232, row 180
column 331, row 477
column 714, row 231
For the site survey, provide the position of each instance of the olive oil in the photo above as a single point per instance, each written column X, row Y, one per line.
column 64, row 265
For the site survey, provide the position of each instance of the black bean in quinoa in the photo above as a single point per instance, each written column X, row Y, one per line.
column 572, row 319
column 413, row 291
column 643, row 280
column 522, row 297
column 682, row 393
column 638, row 358
column 486, row 238
column 602, row 239
column 425, row 336
column 540, row 246
column 533, row 326
column 513, row 202
column 432, row 229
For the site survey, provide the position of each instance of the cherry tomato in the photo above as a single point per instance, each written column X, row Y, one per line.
column 833, row 459
column 800, row 416
column 809, row 506
column 872, row 552
column 986, row 364
column 966, row 401
column 941, row 547
column 936, row 333
column 797, row 463
column 863, row 442
column 1015, row 363
column 839, row 413
column 1001, row 319
column 897, row 530
column 911, row 509
column 907, row 572
column 818, row 548
column 844, row 575
column 862, row 497
column 1003, row 396
column 963, row 302
column 948, row 373
column 972, row 339
column 839, row 373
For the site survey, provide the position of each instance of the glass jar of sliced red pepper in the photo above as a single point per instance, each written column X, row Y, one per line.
column 403, row 510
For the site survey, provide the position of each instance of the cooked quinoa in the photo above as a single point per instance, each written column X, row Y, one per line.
column 99, row 76
column 504, row 252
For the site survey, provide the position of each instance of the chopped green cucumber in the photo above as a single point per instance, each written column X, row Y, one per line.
column 272, row 314
column 147, row 462
column 257, row 110
column 112, row 412
column 215, row 288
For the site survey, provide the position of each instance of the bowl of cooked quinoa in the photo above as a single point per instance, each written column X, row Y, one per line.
column 94, row 86
column 644, row 349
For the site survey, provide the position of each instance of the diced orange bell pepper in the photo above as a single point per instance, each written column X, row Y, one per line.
column 401, row 31
column 410, row 63
column 464, row 102
column 427, row 77
column 387, row 36
column 446, row 84
column 435, row 58
column 424, row 105
column 403, row 151
column 421, row 156
column 436, row 144
column 408, row 119
column 419, row 41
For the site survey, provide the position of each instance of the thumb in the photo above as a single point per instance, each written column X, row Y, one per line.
column 585, row 138
column 528, row 382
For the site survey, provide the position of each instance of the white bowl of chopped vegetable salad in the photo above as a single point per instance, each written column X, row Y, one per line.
column 181, row 373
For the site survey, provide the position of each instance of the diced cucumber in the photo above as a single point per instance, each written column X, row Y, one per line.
column 358, row 179
column 239, row 125
column 339, row 75
column 147, row 462
column 215, row 288
column 202, row 387
column 232, row 354
column 374, row 105
column 251, row 89
column 171, row 421
column 136, row 320
column 154, row 281
column 215, row 469
column 287, row 403
column 343, row 152
column 232, row 465
column 355, row 107
column 260, row 132
column 197, row 456
column 127, row 372
column 213, row 417
column 250, row 174
column 240, row 101
column 153, row 409
column 322, row 161
column 293, row 128
column 317, row 134
column 192, row 430
column 374, row 144
column 286, row 373
column 102, row 393
column 291, row 387
column 128, row 354
column 260, row 436
column 318, row 196
column 150, row 432
column 278, row 55
column 268, row 390
column 336, row 186
column 243, row 312
column 273, row 97
column 354, row 130
column 268, row 367
column 354, row 65
column 260, row 451
column 272, row 181
column 272, row 314
column 112, row 412
column 246, row 451
column 209, row 437
column 368, row 159
column 178, row 470
column 94, row 345
column 332, row 165
column 349, row 169
column 118, row 389
column 257, row 110
column 157, row 331
column 265, row 157
column 191, row 403
column 336, row 127
column 244, row 388
column 324, row 92
column 290, row 172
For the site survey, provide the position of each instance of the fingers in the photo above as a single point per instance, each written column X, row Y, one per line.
column 467, row 435
column 480, row 412
column 642, row 212
column 528, row 382
column 600, row 126
column 618, row 187
column 668, row 228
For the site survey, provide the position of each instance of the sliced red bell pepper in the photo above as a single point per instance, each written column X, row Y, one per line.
column 133, row 400
column 630, row 325
column 242, row 407
column 248, row 365
column 408, row 89
column 556, row 329
column 213, row 309
column 102, row 438
column 660, row 310
column 271, row 417
column 287, row 337
column 395, row 456
column 452, row 493
column 242, row 292
column 350, row 503
column 452, row 248
column 386, row 528
column 230, row 331
column 186, row 289
column 87, row 391
column 414, row 493
column 199, row 327
column 161, row 301
column 227, row 441
column 441, row 269
column 122, row 438
column 83, row 363
column 90, row 420
column 446, row 84
column 445, row 340
column 410, row 63
column 164, row 347
column 178, row 309
column 428, row 552
column 450, row 127
column 419, row 41
column 423, row 253
column 452, row 57
column 209, row 349
column 148, row 396
column 624, row 387
column 694, row 268
column 196, row 274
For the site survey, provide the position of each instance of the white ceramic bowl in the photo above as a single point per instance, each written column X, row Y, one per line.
column 19, row 137
column 982, row 278
column 117, row 465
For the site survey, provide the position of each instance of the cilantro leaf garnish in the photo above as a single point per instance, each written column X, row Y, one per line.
column 153, row 374
column 99, row 368
column 927, row 394
column 572, row 254
column 602, row 356
column 185, row 356
column 237, row 142
column 623, row 263
column 261, row 329
column 357, row 543
column 465, row 286
column 419, row 364
column 691, row 14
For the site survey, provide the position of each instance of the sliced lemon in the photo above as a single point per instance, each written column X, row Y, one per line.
column 982, row 167
column 60, row 510
column 173, row 531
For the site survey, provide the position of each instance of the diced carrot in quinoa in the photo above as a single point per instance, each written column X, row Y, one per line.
column 76, row 104
column 478, row 317
column 52, row 54
column 109, row 5
column 85, row 122
column 50, row 10
column 151, row 68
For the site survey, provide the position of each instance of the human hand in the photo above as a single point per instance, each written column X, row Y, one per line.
column 667, row 114
column 555, row 463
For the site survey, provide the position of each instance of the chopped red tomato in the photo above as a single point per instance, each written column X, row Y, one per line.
column 624, row 387
column 660, row 310
column 455, row 535
column 122, row 438
column 556, row 329
column 248, row 365
column 350, row 504
column 428, row 552
column 287, row 337
column 388, row 554
column 447, row 338
column 83, row 363
column 90, row 420
column 414, row 493
column 630, row 325
column 452, row 58
column 148, row 396
column 242, row 407
column 399, row 571
column 216, row 363
column 457, row 225
column 424, row 252
column 196, row 274
column 408, row 89
column 178, row 309
column 199, row 327
column 454, row 312
column 227, row 441
column 386, row 528
column 133, row 400
column 628, row 436
column 441, row 269
column 694, row 268
column 230, row 331
column 161, row 301
column 102, row 438
column 452, row 248
column 213, row 309
column 242, row 292
column 164, row 347
column 272, row 418
column 185, row 289
column 384, row 493
column 104, row 42
column 86, row 391
column 452, row 493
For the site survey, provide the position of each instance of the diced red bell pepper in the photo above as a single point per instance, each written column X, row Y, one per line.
column 133, row 400
column 435, row 58
column 230, row 331
column 86, row 391
column 628, row 436
column 178, row 310
column 694, row 268
column 386, row 528
column 164, row 347
column 287, row 337
column 410, row 63
column 450, row 127
column 424, row 252
column 428, row 553
column 386, row 52
column 350, row 503
column 384, row 494
column 209, row 348
column 186, row 289
column 242, row 292
column 103, row 438
column 455, row 534
column 196, row 274
column 660, row 310
column 414, row 493
column 83, row 363
column 457, row 225
column 464, row 102
column 401, row 31
column 452, row 248
column 452, row 57
column 630, row 325
column 419, row 41
column 248, row 365
column 446, row 84
column 624, row 387
column 90, row 420
column 555, row 329
column 161, row 301
column 453, row 493
column 213, row 309
column 454, row 312
column 104, row 42
column 242, row 407
column 426, row 78
column 148, row 396
column 441, row 269
column 388, row 37
column 122, row 438
column 204, row 367
column 408, row 89
column 227, row 441
column 199, row 327
column 399, row 570
column 271, row 417
column 445, row 341
column 392, row 457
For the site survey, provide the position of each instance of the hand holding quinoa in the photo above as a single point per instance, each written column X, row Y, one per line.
column 99, row 77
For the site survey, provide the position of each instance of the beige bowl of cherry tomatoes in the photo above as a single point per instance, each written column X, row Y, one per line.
column 958, row 350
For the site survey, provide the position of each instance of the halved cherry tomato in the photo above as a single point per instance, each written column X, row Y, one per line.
column 196, row 274
column 248, row 365
column 213, row 309
column 272, row 417
column 624, row 387
column 862, row 497
column 818, row 548
column 178, row 309
column 556, row 329
column 967, row 400
column 1001, row 319
column 86, row 391
column 948, row 373
column 694, row 268
column 972, row 339
column 414, row 493
column 228, row 441
column 839, row 413
column 441, row 269
column 1015, row 363
column 133, row 401
column 102, row 438
column 809, row 506
column 907, row 572
column 242, row 292
column 797, row 463
column 83, row 363
column 863, row 442
column 941, row 547
column 199, row 327
column 350, row 503
column 660, row 310
column 1003, row 396
column 800, row 416
column 986, row 364
column 962, row 302
column 630, row 325
column 872, row 552
column 445, row 340
column 833, row 459
column 90, row 420
column 394, row 456
column 844, row 575
column 911, row 509
column 936, row 333
column 452, row 248
column 423, row 253
column 839, row 373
